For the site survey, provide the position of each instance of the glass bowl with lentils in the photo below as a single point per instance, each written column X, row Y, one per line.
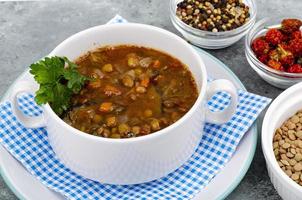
column 213, row 24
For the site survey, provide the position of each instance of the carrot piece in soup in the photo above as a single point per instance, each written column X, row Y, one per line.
column 145, row 82
column 106, row 107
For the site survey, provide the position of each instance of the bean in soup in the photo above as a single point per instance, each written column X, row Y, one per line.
column 134, row 91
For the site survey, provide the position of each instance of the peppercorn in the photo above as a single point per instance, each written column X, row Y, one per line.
column 210, row 27
column 213, row 15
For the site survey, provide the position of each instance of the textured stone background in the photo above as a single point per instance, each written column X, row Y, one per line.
column 30, row 30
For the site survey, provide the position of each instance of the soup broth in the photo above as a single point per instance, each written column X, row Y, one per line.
column 133, row 91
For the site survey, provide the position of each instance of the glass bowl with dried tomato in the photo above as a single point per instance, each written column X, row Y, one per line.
column 273, row 48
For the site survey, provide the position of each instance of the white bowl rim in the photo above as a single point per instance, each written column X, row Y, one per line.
column 153, row 135
column 267, row 139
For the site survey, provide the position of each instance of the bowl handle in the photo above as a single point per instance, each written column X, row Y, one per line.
column 221, row 117
column 27, row 121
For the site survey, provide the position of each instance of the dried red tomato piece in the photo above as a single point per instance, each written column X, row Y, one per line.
column 296, row 35
column 275, row 65
column 290, row 25
column 263, row 58
column 296, row 47
column 260, row 46
column 296, row 68
column 274, row 36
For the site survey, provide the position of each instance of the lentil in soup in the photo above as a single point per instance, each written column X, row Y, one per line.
column 134, row 91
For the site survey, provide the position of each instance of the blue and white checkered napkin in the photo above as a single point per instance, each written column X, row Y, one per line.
column 219, row 142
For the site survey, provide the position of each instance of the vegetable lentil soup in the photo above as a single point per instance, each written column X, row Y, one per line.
column 133, row 91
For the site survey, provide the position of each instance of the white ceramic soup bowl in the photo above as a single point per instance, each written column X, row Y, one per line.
column 134, row 160
column 282, row 108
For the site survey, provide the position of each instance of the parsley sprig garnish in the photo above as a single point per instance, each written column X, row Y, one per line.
column 59, row 79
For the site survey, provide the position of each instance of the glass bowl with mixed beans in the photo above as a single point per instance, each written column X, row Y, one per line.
column 213, row 24
column 133, row 91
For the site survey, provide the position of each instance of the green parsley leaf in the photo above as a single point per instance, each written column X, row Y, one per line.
column 59, row 79
column 75, row 80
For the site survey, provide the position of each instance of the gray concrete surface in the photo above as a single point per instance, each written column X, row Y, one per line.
column 30, row 30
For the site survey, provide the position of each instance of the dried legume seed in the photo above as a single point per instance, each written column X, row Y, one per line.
column 293, row 151
column 290, row 126
column 277, row 137
column 276, row 152
column 295, row 176
column 280, row 164
column 289, row 155
column 284, row 157
column 299, row 134
column 281, row 150
column 295, row 119
column 298, row 157
column 288, row 172
column 292, row 162
column 298, row 167
column 291, row 134
column 286, row 145
column 284, row 162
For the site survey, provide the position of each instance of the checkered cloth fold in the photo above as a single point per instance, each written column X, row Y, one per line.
column 218, row 144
